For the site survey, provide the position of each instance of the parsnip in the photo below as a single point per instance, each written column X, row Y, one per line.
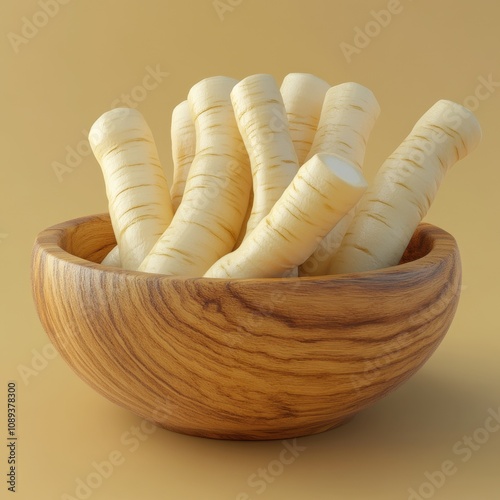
column 113, row 258
column 323, row 190
column 243, row 228
column 261, row 118
column 347, row 118
column 405, row 187
column 183, row 137
column 215, row 200
column 137, row 190
column 303, row 96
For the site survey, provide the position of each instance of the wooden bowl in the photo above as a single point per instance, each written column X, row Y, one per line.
column 242, row 359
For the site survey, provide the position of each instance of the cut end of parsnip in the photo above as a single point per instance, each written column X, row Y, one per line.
column 322, row 192
column 268, row 181
column 344, row 170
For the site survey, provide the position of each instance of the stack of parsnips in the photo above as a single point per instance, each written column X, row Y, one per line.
column 268, row 181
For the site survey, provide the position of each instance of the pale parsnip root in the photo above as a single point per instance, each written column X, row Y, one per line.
column 347, row 119
column 261, row 118
column 183, row 137
column 303, row 95
column 323, row 190
column 243, row 229
column 215, row 200
column 405, row 187
column 137, row 190
column 113, row 258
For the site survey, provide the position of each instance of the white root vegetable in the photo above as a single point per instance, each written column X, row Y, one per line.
column 113, row 258
column 183, row 137
column 243, row 228
column 347, row 119
column 303, row 96
column 405, row 187
column 261, row 118
column 137, row 190
column 215, row 200
column 323, row 190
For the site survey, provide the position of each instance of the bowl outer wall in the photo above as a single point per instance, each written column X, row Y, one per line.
column 242, row 359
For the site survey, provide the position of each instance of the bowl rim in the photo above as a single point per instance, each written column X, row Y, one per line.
column 49, row 241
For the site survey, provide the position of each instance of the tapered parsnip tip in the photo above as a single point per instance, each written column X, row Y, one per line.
column 297, row 76
column 182, row 133
column 205, row 87
column 113, row 258
column 181, row 110
column 253, row 79
column 204, row 95
column 110, row 122
column 458, row 119
column 365, row 98
column 344, row 170
column 299, row 80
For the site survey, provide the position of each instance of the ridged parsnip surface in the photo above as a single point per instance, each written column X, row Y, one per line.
column 113, row 258
column 321, row 193
column 347, row 118
column 183, row 137
column 136, row 187
column 215, row 200
column 261, row 118
column 303, row 96
column 405, row 187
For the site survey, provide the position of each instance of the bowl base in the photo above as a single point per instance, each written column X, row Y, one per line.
column 259, row 435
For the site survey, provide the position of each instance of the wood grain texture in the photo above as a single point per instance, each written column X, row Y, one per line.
column 242, row 359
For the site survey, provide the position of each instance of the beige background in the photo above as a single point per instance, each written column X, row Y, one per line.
column 85, row 57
